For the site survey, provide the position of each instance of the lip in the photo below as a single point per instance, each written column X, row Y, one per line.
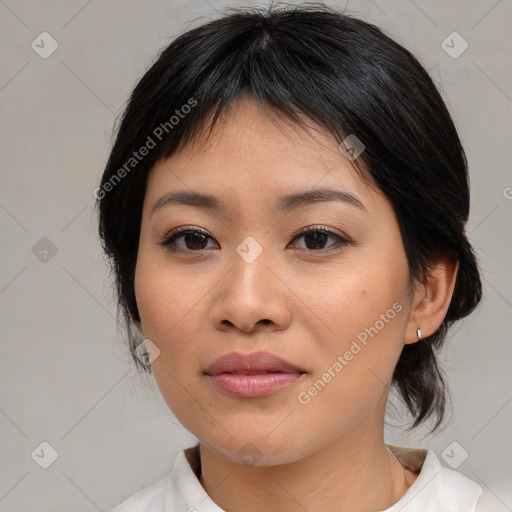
column 252, row 375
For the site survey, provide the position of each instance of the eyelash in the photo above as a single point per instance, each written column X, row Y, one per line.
column 169, row 239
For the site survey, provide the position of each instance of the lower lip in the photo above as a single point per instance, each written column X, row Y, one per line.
column 252, row 386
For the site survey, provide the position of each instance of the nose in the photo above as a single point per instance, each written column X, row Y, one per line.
column 251, row 297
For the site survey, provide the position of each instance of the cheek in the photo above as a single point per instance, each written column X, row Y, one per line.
column 167, row 302
column 351, row 302
column 165, row 294
column 354, row 366
column 364, row 312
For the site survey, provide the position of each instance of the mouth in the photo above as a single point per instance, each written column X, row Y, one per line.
column 252, row 375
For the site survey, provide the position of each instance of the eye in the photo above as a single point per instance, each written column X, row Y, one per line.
column 315, row 237
column 194, row 239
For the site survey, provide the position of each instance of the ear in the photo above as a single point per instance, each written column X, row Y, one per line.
column 432, row 299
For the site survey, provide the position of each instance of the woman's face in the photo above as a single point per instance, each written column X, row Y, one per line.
column 332, row 302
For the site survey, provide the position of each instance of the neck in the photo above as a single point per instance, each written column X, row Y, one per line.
column 356, row 473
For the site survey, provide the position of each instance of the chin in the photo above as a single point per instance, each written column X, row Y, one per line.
column 251, row 449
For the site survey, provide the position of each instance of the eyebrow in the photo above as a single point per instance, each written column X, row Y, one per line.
column 285, row 203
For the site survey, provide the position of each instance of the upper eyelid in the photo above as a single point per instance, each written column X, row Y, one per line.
column 317, row 227
column 314, row 227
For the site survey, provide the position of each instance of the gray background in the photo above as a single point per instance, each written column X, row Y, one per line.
column 66, row 377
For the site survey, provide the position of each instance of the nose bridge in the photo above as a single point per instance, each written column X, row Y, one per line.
column 250, row 267
column 250, row 292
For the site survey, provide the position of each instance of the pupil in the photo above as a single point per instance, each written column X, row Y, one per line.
column 195, row 239
column 317, row 237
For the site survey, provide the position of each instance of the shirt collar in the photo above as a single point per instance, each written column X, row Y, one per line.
column 436, row 487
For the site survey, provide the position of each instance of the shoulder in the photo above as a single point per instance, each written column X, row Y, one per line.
column 436, row 487
column 149, row 499
column 452, row 483
column 176, row 491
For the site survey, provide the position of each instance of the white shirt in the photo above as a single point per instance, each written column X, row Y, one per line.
column 436, row 489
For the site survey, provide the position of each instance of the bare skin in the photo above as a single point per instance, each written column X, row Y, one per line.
column 304, row 304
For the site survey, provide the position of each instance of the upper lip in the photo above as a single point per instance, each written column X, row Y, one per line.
column 236, row 362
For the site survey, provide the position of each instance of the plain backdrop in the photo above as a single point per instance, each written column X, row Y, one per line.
column 66, row 376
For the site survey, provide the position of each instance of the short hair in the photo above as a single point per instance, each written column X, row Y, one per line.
column 352, row 79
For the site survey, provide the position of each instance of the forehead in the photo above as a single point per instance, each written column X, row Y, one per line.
column 254, row 151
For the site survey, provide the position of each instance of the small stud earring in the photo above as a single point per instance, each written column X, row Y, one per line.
column 418, row 332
